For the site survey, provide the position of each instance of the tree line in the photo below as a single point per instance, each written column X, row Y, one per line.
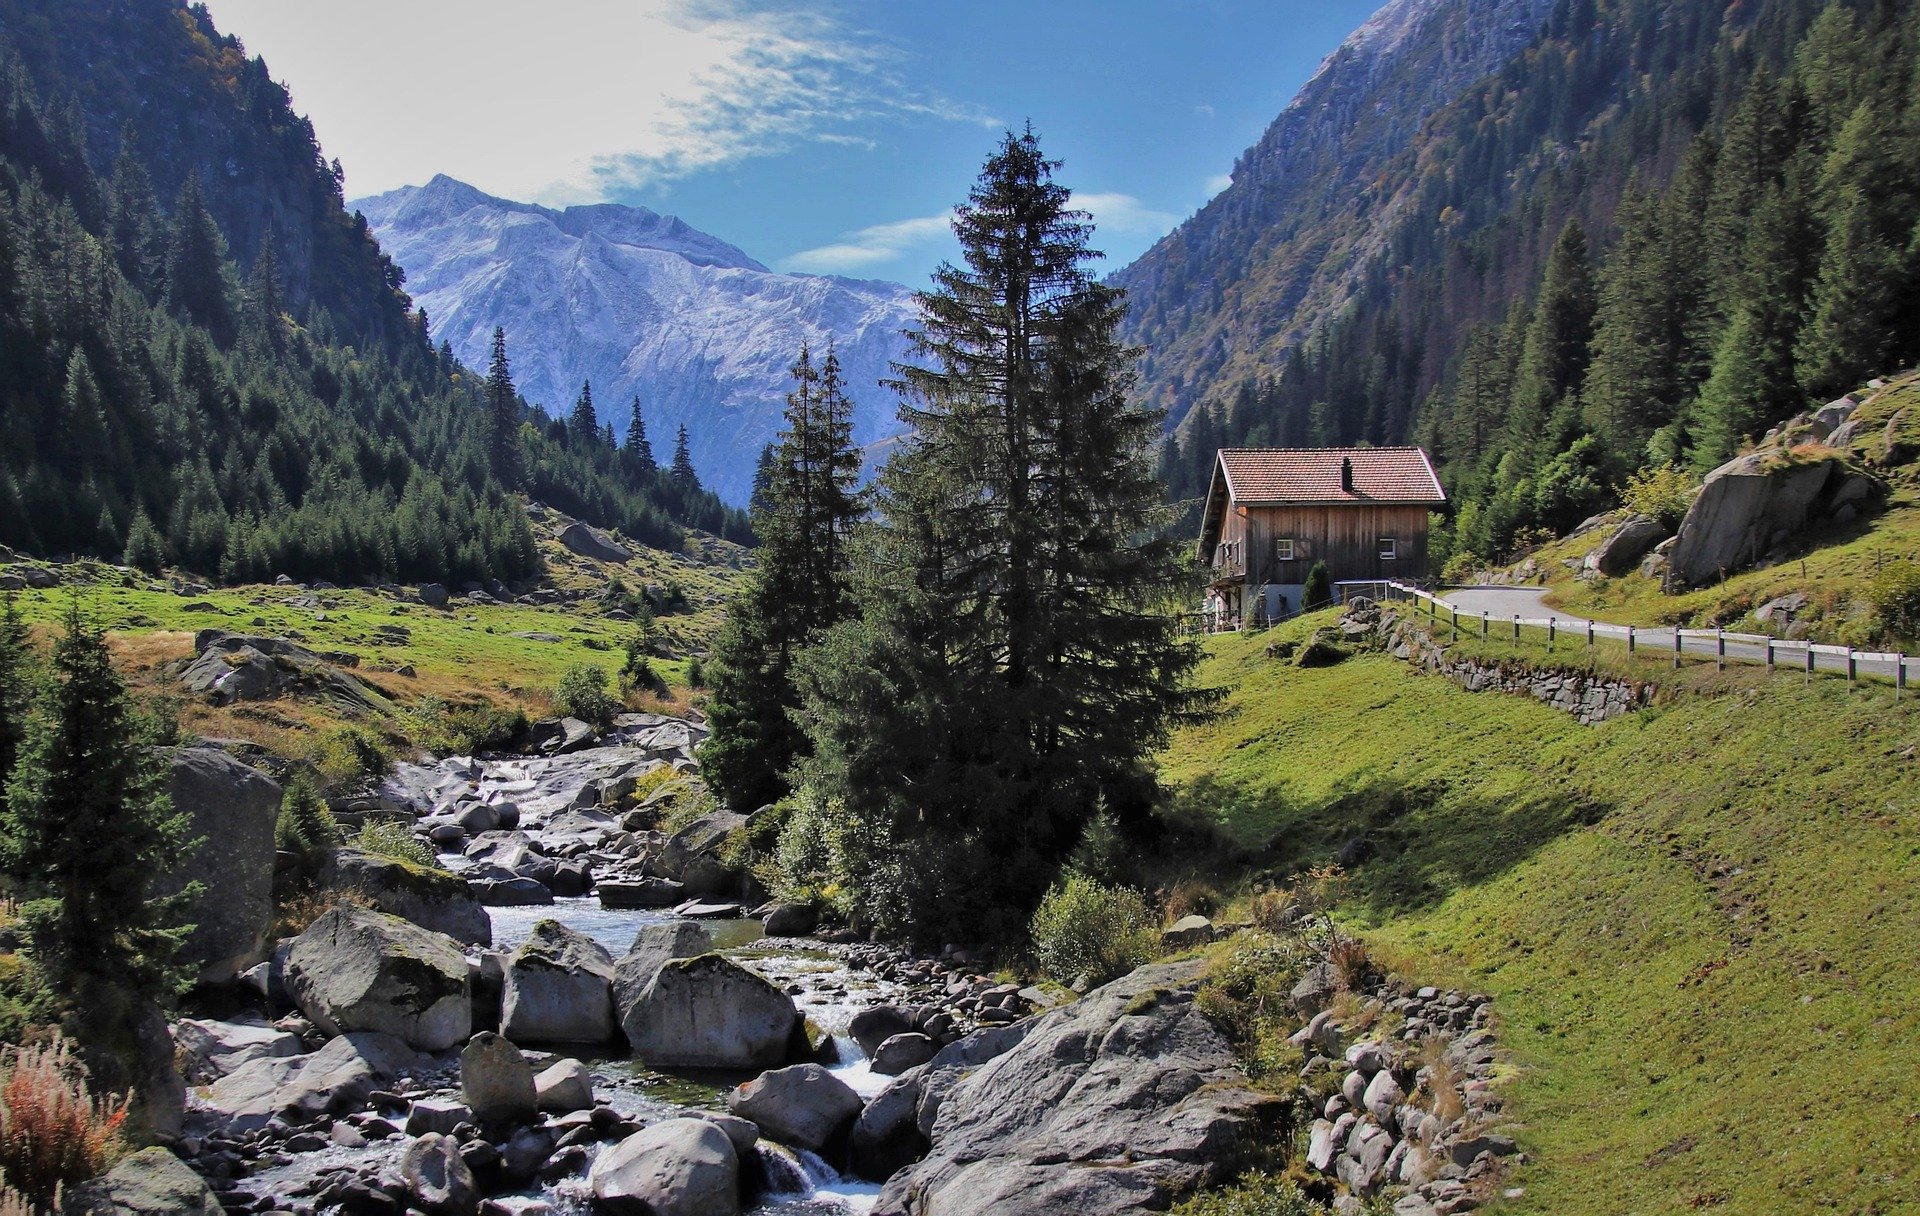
column 947, row 684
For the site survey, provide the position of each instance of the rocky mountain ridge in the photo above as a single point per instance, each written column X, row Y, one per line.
column 639, row 303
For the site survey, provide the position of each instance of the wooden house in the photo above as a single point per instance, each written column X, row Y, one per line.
column 1271, row 513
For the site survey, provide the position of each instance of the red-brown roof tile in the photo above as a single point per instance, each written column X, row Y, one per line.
column 1400, row 476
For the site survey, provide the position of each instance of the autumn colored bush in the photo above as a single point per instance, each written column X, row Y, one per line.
column 53, row 1131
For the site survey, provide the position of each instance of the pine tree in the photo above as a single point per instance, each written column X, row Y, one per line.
column 196, row 265
column 763, row 474
column 133, row 223
column 1554, row 352
column 683, row 473
column 16, row 688
column 583, row 427
column 799, row 588
column 503, row 415
column 1017, row 619
column 88, row 826
column 145, row 548
column 638, row 450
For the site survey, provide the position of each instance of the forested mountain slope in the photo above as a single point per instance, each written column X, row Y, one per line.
column 646, row 309
column 205, row 359
column 1650, row 232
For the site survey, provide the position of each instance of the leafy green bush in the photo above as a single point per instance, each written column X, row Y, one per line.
column 1253, row 1195
column 1663, row 492
column 465, row 729
column 305, row 825
column 1462, row 567
column 582, row 693
column 1085, row 928
column 1894, row 593
column 1318, row 592
column 638, row 675
column 393, row 840
column 696, row 673
column 347, row 754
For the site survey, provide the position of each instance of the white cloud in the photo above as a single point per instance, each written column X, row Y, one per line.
column 1217, row 183
column 569, row 100
column 872, row 246
column 1125, row 214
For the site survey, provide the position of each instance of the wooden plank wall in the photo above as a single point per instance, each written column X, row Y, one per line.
column 1344, row 537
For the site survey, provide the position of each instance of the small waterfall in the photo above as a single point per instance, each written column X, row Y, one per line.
column 792, row 1176
column 783, row 1171
column 819, row 1173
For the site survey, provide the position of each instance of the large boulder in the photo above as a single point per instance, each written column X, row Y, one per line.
column 563, row 1086
column 653, row 948
column 496, row 1082
column 231, row 810
column 590, row 542
column 678, row 1167
column 803, row 1106
column 886, row 1137
column 559, row 989
column 438, row 1178
column 1748, row 506
column 152, row 1182
column 210, row 1049
column 357, row 969
column 426, row 895
column 333, row 1080
column 1630, row 541
column 709, row 1012
column 1121, row 1101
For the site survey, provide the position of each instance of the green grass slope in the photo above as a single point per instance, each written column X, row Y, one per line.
column 1701, row 921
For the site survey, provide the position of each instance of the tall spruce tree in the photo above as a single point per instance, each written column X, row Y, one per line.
column 583, row 426
column 197, row 283
column 683, row 472
column 799, row 588
column 1016, row 656
column 503, row 414
column 639, row 451
column 88, row 826
column 1555, row 349
column 16, row 688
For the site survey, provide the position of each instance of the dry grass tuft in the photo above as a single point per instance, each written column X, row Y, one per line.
column 53, row 1131
column 1442, row 1078
column 1191, row 897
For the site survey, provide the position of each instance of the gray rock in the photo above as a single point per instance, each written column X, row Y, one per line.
column 1749, row 501
column 878, row 1023
column 803, row 1106
column 1125, row 1099
column 231, row 810
column 1781, row 610
column 1623, row 548
column 635, row 892
column 708, row 1012
column 1368, row 1058
column 792, row 920
column 496, row 1081
column 1187, row 932
column 903, row 1051
column 590, row 542
column 436, row 1115
column 356, row 969
column 563, row 1086
column 1382, row 1095
column 1315, row 990
column 333, row 1080
column 559, row 989
column 679, row 1167
column 431, row 898
column 1464, row 1151
column 512, row 893
column 151, row 1182
column 886, row 1137
column 211, row 1049
column 434, row 595
column 438, row 1178
column 653, row 947
column 743, row 1132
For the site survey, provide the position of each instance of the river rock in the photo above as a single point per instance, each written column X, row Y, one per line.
column 878, row 1023
column 433, row 595
column 563, row 1086
column 438, row 1177
column 886, row 1137
column 1123, row 1100
column 792, row 920
column 356, row 969
column 559, row 988
column 333, row 1080
column 803, row 1106
column 426, row 895
column 231, row 810
column 653, row 947
column 1187, row 932
column 151, row 1182
column 211, row 1049
column 679, row 1167
column 628, row 891
column 496, row 1081
column 708, row 1012
column 903, row 1051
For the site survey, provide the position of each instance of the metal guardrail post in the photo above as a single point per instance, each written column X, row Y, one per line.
column 1853, row 669
column 1720, row 647
column 1809, row 678
column 1550, row 631
column 1769, row 656
column 1631, row 647
column 1676, row 648
column 1899, row 675
column 1484, row 622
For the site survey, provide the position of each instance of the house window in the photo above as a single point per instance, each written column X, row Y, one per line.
column 1283, row 549
column 1388, row 548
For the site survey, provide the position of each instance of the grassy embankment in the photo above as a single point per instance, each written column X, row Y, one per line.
column 1699, row 920
column 1829, row 563
column 465, row 653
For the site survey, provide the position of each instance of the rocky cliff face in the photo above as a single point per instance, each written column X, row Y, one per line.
column 639, row 303
column 1315, row 203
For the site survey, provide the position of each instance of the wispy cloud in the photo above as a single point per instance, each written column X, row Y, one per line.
column 1123, row 213
column 584, row 97
column 1217, row 183
column 872, row 246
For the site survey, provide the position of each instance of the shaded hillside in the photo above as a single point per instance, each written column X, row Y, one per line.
column 206, row 360
column 1653, row 231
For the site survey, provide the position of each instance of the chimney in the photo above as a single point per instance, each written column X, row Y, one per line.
column 1346, row 474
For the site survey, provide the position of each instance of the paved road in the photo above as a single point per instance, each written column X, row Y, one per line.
column 1502, row 604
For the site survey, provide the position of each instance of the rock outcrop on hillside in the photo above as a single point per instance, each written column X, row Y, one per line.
column 231, row 809
column 1751, row 505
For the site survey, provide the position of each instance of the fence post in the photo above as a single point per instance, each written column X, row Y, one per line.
column 1899, row 674
column 1853, row 670
column 1483, row 624
column 1551, row 621
column 1630, row 640
column 1720, row 647
column 1589, row 639
column 1809, row 678
column 1769, row 656
column 1676, row 648
column 1456, row 621
column 1516, row 626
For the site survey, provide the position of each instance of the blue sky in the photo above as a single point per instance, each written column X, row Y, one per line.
column 830, row 138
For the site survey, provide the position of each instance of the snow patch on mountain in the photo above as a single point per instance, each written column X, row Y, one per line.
column 640, row 303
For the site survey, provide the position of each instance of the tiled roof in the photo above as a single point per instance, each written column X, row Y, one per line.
column 1312, row 475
